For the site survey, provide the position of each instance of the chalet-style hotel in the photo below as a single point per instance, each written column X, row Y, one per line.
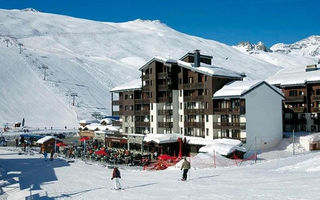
column 301, row 88
column 195, row 99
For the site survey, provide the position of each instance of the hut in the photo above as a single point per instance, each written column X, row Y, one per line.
column 47, row 143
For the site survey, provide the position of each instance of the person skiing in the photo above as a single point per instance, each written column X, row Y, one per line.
column 116, row 176
column 185, row 166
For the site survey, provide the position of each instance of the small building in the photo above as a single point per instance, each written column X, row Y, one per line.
column 250, row 111
column 310, row 142
column 47, row 143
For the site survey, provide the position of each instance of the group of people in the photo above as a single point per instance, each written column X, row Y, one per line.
column 116, row 176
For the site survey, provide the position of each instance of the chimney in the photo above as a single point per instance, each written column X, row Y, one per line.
column 196, row 58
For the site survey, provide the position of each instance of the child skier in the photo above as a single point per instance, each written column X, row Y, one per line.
column 185, row 166
column 116, row 176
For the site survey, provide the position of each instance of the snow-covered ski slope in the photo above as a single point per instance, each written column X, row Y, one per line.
column 90, row 57
column 30, row 177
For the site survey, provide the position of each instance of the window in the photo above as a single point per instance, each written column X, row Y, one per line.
column 205, row 78
column 151, row 106
column 236, row 134
column 150, row 94
column 181, row 130
column 131, row 96
column 151, row 118
column 126, row 96
column 150, row 82
column 126, row 129
column 207, row 118
column 126, row 118
column 180, row 93
column 207, row 105
column 150, row 70
column 206, row 92
column 292, row 93
column 317, row 91
column 180, row 106
column 151, row 130
column 207, row 132
column 181, row 118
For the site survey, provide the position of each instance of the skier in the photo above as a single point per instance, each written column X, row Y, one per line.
column 116, row 176
column 185, row 166
column 51, row 155
column 45, row 154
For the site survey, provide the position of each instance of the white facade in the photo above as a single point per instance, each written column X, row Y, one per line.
column 263, row 118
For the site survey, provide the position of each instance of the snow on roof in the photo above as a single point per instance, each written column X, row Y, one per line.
column 223, row 146
column 96, row 126
column 132, row 85
column 209, row 70
column 236, row 88
column 311, row 138
column 106, row 120
column 239, row 88
column 46, row 138
column 162, row 138
column 293, row 76
column 89, row 121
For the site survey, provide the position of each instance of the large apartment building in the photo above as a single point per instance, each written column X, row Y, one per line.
column 302, row 98
column 177, row 96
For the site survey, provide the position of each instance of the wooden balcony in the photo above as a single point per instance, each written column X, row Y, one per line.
column 142, row 124
column 146, row 88
column 116, row 123
column 237, row 110
column 295, row 99
column 315, row 97
column 163, row 75
column 295, row 121
column 165, row 124
column 193, row 98
column 193, row 86
column 298, row 109
column 193, row 111
column 164, row 99
column 145, row 77
column 194, row 124
column 164, row 87
column 229, row 125
column 116, row 113
column 316, row 110
column 115, row 102
column 141, row 101
column 164, row 112
column 142, row 112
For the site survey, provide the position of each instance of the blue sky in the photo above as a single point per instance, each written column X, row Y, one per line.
column 227, row 21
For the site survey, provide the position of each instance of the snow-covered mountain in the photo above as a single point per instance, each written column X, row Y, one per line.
column 248, row 47
column 307, row 47
column 88, row 58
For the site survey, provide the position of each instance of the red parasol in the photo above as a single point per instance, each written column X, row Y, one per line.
column 61, row 144
column 101, row 153
column 84, row 139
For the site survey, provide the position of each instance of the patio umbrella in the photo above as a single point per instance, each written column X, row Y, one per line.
column 83, row 139
column 101, row 153
column 61, row 144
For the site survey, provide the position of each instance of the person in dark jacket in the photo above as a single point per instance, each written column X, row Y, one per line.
column 116, row 177
column 185, row 166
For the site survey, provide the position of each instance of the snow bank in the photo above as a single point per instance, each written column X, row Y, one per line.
column 223, row 146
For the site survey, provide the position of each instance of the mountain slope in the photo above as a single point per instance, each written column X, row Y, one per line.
column 89, row 58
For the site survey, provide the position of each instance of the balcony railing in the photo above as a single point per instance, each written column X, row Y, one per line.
column 116, row 113
column 300, row 99
column 146, row 88
column 315, row 97
column 116, row 123
column 145, row 77
column 164, row 87
column 164, row 112
column 165, row 124
column 141, row 101
column 164, row 99
column 191, row 86
column 295, row 121
column 228, row 110
column 298, row 109
column 142, row 124
column 229, row 125
column 163, row 75
column 142, row 112
column 193, row 111
column 193, row 98
column 194, row 124
column 316, row 109
column 115, row 102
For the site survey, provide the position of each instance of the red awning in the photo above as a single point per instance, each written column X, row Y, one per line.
column 101, row 153
column 84, row 139
column 61, row 144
